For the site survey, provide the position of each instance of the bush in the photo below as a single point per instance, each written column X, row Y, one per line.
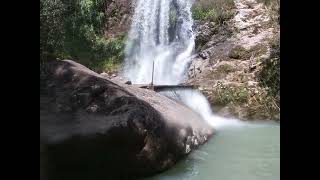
column 217, row 11
column 109, row 54
column 224, row 94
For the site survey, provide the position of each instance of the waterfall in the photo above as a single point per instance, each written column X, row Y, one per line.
column 150, row 40
column 161, row 32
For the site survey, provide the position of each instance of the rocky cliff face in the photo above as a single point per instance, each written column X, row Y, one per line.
column 229, row 59
column 93, row 128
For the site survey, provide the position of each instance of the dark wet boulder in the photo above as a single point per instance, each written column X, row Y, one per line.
column 95, row 128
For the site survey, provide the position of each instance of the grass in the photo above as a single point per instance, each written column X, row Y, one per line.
column 262, row 105
column 253, row 103
column 273, row 7
column 224, row 94
column 217, row 11
column 110, row 65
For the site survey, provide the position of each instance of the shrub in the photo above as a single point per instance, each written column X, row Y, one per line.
column 269, row 76
column 263, row 106
column 217, row 11
column 109, row 54
column 224, row 94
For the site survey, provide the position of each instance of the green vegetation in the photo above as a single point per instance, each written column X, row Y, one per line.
column 273, row 7
column 51, row 28
column 263, row 106
column 111, row 55
column 225, row 94
column 251, row 103
column 217, row 11
column 73, row 29
column 269, row 76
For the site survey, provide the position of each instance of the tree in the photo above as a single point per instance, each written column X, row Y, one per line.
column 51, row 28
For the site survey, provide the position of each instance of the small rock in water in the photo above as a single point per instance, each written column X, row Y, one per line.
column 128, row 82
column 114, row 75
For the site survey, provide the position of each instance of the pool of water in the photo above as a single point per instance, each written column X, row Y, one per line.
column 247, row 152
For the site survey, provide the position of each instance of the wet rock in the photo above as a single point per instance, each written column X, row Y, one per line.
column 96, row 128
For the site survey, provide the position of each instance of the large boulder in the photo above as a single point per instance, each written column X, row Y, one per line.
column 95, row 128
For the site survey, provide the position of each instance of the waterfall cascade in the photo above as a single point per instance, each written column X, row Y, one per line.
column 161, row 32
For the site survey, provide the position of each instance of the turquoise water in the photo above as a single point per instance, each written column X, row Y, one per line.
column 248, row 152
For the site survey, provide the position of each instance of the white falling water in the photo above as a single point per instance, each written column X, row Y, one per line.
column 162, row 32
column 199, row 103
column 149, row 40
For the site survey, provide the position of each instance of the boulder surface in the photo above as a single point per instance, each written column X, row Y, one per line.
column 92, row 127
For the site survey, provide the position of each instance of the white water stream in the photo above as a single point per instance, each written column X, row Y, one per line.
column 162, row 32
